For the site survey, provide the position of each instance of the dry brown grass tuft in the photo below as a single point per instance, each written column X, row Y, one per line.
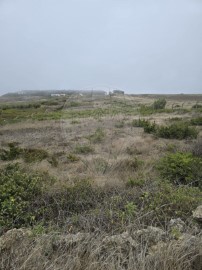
column 96, row 252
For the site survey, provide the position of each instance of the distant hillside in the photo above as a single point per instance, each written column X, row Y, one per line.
column 50, row 92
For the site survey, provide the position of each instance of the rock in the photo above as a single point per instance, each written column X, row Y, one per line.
column 70, row 239
column 124, row 241
column 197, row 214
column 13, row 237
column 177, row 224
column 151, row 235
column 156, row 248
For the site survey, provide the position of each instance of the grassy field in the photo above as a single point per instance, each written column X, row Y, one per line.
column 78, row 172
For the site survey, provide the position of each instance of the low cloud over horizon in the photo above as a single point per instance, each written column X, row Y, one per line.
column 140, row 46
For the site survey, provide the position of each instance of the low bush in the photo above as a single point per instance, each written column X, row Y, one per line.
column 28, row 154
column 177, row 131
column 129, row 164
column 169, row 202
column 159, row 104
column 53, row 161
column 181, row 168
column 146, row 110
column 175, row 119
column 135, row 182
column 133, row 150
column 150, row 127
column 12, row 153
column 180, row 130
column 72, row 158
column 18, row 190
column 147, row 125
column 197, row 106
column 101, row 165
column 196, row 121
column 34, row 155
column 98, row 136
column 84, row 149
column 74, row 104
column 139, row 122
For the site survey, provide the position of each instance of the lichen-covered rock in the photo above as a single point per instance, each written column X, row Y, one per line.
column 123, row 240
column 12, row 237
column 151, row 235
column 70, row 239
column 197, row 214
column 176, row 223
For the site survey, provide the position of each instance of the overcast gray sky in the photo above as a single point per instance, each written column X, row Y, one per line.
column 141, row 46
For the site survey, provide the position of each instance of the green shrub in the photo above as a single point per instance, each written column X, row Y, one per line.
column 150, row 127
column 177, row 131
column 139, row 122
column 196, row 121
column 98, row 136
column 197, row 106
column 159, row 104
column 175, row 119
column 84, row 149
column 129, row 164
column 133, row 150
column 53, row 161
column 29, row 155
column 72, row 158
column 74, row 104
column 181, row 168
column 169, row 201
column 18, row 189
column 146, row 110
column 34, row 155
column 135, row 183
column 147, row 125
column 101, row 165
column 12, row 153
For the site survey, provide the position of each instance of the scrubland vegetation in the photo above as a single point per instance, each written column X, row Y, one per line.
column 101, row 183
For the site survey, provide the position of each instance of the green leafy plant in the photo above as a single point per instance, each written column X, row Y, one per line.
column 139, row 122
column 34, row 155
column 18, row 190
column 98, row 136
column 135, row 183
column 101, row 165
column 84, row 149
column 130, row 209
column 170, row 201
column 129, row 164
column 177, row 131
column 181, row 168
column 12, row 153
column 159, row 104
column 147, row 125
column 72, row 158
column 196, row 121
column 197, row 106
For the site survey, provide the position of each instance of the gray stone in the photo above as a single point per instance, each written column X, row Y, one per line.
column 151, row 235
column 176, row 224
column 123, row 240
column 197, row 214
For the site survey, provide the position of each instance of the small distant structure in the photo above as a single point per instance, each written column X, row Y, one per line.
column 118, row 92
column 21, row 93
column 57, row 95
